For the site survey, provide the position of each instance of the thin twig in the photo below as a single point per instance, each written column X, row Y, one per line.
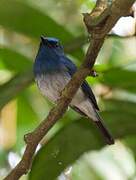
column 117, row 9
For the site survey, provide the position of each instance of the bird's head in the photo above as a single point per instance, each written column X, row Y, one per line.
column 51, row 43
column 48, row 56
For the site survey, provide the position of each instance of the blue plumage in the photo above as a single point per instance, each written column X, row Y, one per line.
column 53, row 70
column 85, row 87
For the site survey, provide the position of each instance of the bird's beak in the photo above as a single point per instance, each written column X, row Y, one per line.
column 42, row 38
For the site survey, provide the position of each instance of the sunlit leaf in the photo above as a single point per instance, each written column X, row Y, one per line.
column 83, row 170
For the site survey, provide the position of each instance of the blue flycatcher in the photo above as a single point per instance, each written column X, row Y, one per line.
column 53, row 70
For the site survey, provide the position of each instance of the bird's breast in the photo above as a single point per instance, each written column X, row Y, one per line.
column 51, row 84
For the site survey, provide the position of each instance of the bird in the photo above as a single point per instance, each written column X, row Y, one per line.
column 53, row 70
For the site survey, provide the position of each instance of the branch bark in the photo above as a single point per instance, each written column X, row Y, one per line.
column 99, row 22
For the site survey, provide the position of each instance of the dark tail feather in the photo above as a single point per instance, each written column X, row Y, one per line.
column 109, row 139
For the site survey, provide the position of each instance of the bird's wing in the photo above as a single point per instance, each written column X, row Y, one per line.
column 71, row 67
column 88, row 91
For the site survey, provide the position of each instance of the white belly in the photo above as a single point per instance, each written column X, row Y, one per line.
column 51, row 85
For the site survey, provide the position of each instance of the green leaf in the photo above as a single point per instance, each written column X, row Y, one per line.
column 14, row 61
column 3, row 158
column 130, row 141
column 27, row 118
column 21, row 17
column 14, row 86
column 119, row 105
column 120, row 78
column 74, row 140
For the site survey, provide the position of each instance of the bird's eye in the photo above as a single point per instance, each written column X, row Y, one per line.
column 53, row 44
column 56, row 44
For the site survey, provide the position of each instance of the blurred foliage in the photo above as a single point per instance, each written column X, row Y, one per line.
column 62, row 155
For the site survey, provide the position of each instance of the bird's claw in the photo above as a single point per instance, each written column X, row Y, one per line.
column 94, row 73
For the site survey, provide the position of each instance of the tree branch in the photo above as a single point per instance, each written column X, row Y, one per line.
column 98, row 31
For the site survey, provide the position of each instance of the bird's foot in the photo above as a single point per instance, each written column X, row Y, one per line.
column 94, row 73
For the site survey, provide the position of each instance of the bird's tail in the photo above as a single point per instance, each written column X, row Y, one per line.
column 108, row 137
